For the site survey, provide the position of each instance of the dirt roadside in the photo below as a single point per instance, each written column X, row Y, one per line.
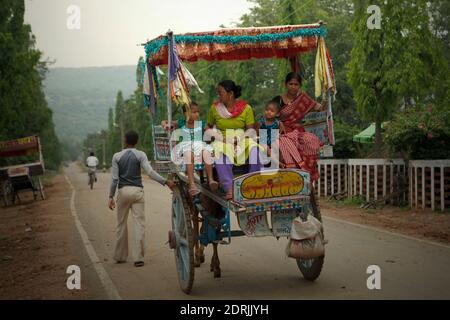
column 422, row 224
column 38, row 241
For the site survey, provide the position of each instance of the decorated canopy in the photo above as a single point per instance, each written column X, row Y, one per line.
column 238, row 44
column 19, row 147
column 233, row 44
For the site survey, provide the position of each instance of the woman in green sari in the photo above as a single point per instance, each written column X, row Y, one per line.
column 235, row 121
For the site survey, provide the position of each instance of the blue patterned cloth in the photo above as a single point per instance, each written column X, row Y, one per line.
column 275, row 126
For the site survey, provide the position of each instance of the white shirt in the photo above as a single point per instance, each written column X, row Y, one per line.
column 92, row 161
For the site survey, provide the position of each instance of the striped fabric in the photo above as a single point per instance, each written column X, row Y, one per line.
column 299, row 148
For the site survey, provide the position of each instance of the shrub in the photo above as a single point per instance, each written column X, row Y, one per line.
column 420, row 133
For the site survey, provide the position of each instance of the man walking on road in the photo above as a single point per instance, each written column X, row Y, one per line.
column 126, row 174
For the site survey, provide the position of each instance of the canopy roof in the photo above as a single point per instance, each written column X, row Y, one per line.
column 19, row 147
column 238, row 44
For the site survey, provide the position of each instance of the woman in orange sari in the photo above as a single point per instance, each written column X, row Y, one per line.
column 298, row 148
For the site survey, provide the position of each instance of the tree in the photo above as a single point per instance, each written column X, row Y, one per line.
column 394, row 65
column 119, row 121
column 110, row 136
column 130, row 114
column 23, row 107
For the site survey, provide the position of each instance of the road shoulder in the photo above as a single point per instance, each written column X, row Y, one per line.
column 421, row 224
column 38, row 242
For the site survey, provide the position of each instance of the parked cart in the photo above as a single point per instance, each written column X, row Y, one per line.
column 18, row 178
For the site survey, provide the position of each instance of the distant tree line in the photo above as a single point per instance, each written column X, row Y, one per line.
column 128, row 113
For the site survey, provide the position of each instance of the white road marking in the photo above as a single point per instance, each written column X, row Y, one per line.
column 105, row 279
column 387, row 232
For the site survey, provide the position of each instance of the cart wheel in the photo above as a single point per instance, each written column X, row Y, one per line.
column 311, row 268
column 41, row 189
column 6, row 193
column 182, row 229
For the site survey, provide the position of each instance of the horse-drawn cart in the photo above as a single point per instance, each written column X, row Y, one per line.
column 265, row 203
column 17, row 178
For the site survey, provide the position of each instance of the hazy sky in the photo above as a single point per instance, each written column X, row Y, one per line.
column 110, row 29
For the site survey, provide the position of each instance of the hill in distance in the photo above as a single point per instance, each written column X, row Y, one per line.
column 80, row 97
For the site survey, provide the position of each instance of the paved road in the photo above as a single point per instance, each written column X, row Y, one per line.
column 256, row 268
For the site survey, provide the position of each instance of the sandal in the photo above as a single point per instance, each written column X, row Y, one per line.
column 139, row 263
column 229, row 195
column 193, row 190
column 213, row 185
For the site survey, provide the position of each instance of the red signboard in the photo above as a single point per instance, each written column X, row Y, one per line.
column 19, row 147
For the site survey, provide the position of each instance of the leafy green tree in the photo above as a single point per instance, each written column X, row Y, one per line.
column 23, row 107
column 396, row 64
column 130, row 114
column 110, row 136
column 345, row 147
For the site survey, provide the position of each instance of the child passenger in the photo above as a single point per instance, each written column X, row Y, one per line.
column 192, row 150
column 269, row 122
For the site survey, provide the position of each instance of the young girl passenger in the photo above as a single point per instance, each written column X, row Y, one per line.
column 192, row 148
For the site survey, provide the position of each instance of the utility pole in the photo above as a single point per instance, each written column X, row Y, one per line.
column 102, row 135
column 104, row 152
column 121, row 130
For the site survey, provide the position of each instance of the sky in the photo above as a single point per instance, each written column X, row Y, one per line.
column 87, row 33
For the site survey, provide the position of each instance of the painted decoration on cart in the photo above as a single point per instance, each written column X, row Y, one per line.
column 260, row 187
column 316, row 123
column 19, row 147
column 277, row 204
column 254, row 224
column 282, row 221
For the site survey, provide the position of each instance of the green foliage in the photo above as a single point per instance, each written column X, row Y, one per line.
column 354, row 201
column 128, row 114
column 440, row 21
column 268, row 79
column 390, row 66
column 23, row 107
column 70, row 150
column 420, row 133
column 345, row 147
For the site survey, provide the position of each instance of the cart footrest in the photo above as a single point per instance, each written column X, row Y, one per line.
column 234, row 233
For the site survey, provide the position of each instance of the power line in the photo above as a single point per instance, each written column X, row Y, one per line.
column 280, row 6
column 295, row 11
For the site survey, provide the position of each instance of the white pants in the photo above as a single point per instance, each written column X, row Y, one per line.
column 130, row 198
